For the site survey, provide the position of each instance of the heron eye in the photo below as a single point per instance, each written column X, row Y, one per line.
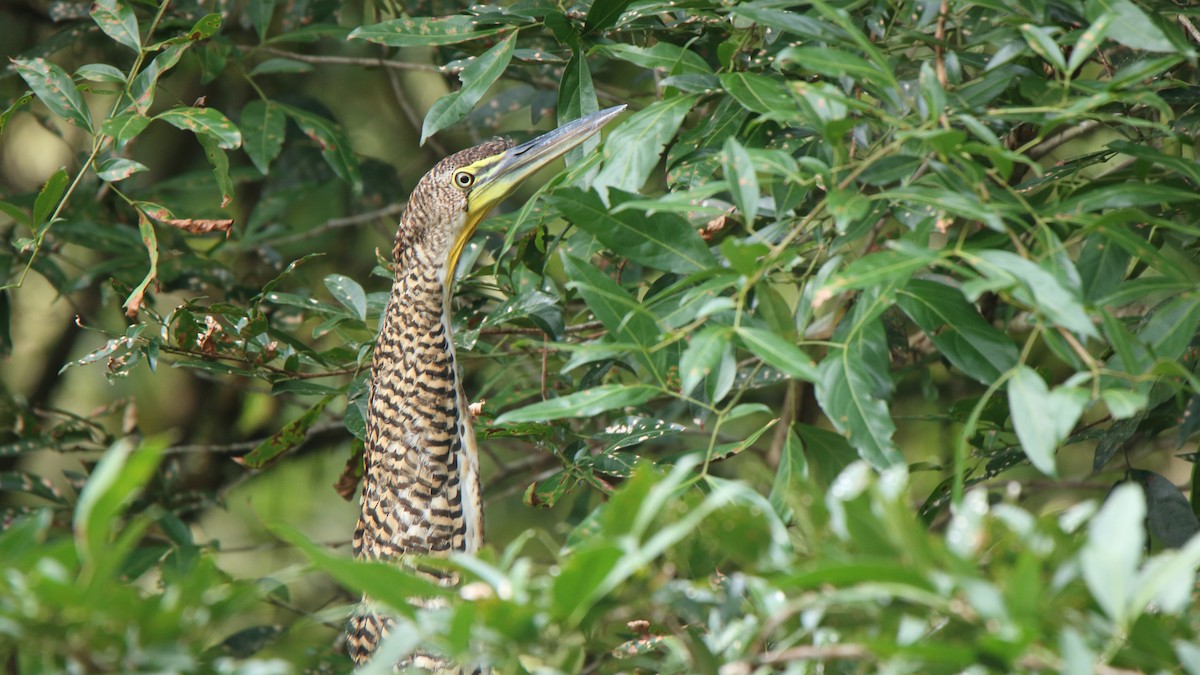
column 463, row 179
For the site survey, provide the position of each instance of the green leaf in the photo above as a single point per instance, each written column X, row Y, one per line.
column 220, row 166
column 1136, row 29
column 281, row 65
column 1110, row 556
column 627, row 320
column 853, row 386
column 144, row 86
column 335, row 146
column 49, row 197
column 742, row 179
column 263, row 127
column 425, row 31
column 118, row 21
column 779, row 353
column 260, row 12
column 1041, row 40
column 56, row 90
column 883, row 268
column 291, row 435
column 385, row 582
column 633, row 149
column 116, row 169
column 702, row 356
column 833, row 63
column 134, row 301
column 969, row 342
column 100, row 72
column 663, row 241
column 477, row 78
column 348, row 292
column 1038, row 288
column 124, row 127
column 584, row 403
column 121, row 473
column 786, row 488
column 1169, row 515
column 209, row 121
column 661, row 55
column 205, row 27
column 603, row 13
column 1041, row 418
column 576, row 98
column 762, row 94
column 1089, row 40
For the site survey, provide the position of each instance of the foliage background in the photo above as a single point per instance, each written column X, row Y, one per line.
column 823, row 358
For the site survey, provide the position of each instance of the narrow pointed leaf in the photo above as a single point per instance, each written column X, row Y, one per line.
column 583, row 403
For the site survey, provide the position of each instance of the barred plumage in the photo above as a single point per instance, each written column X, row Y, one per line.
column 421, row 482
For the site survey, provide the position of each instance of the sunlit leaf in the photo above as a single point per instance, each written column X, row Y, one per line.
column 583, row 403
column 477, row 78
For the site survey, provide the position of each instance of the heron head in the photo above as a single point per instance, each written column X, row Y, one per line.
column 451, row 200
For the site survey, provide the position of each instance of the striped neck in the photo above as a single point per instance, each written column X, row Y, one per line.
column 421, row 484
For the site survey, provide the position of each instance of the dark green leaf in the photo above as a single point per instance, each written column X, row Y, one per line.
column 778, row 353
column 49, row 197
column 335, row 146
column 958, row 331
column 663, row 240
column 742, row 179
column 762, row 94
column 145, row 84
column 220, row 166
column 603, row 13
column 263, row 126
column 627, row 320
column 702, row 356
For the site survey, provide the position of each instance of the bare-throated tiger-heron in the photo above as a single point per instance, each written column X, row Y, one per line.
column 421, row 481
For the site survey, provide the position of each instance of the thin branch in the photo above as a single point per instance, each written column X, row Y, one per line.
column 393, row 209
column 519, row 330
column 246, row 446
column 413, row 118
column 367, row 62
column 1045, row 147
column 1190, row 27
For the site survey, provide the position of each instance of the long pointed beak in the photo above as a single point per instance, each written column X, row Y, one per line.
column 503, row 174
